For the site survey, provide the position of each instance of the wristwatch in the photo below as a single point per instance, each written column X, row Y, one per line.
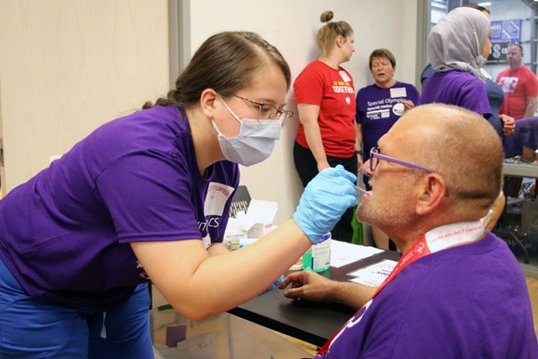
column 358, row 153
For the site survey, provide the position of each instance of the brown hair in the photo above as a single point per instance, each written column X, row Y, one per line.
column 225, row 62
column 330, row 31
column 518, row 45
column 383, row 53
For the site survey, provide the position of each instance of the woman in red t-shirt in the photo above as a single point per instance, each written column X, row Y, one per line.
column 325, row 99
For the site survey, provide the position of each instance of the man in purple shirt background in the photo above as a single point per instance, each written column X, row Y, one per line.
column 524, row 141
column 458, row 291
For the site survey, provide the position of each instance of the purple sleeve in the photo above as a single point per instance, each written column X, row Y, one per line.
column 149, row 198
column 413, row 95
column 426, row 92
column 472, row 95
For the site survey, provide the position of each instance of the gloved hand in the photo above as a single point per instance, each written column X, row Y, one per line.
column 324, row 200
column 276, row 283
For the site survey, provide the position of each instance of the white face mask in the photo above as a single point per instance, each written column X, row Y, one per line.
column 253, row 144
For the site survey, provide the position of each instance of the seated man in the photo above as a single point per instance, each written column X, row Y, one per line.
column 457, row 291
column 524, row 141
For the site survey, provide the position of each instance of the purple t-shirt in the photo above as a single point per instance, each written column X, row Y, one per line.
column 378, row 109
column 469, row 301
column 65, row 233
column 458, row 88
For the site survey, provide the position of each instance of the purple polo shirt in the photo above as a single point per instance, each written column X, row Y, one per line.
column 456, row 88
column 469, row 301
column 65, row 233
column 379, row 108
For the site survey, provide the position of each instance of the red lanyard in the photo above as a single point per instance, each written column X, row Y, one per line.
column 435, row 240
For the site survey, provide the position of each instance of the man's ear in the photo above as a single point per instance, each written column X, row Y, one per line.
column 431, row 194
column 208, row 102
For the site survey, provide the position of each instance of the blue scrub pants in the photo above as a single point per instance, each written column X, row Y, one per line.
column 30, row 329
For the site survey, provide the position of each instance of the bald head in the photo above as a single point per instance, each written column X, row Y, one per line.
column 458, row 144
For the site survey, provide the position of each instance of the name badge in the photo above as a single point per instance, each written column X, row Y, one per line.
column 344, row 76
column 216, row 197
column 398, row 92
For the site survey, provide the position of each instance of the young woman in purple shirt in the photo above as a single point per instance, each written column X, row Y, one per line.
column 146, row 198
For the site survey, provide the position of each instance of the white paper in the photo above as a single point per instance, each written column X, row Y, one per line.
column 343, row 253
column 374, row 274
column 398, row 92
column 254, row 224
column 260, row 212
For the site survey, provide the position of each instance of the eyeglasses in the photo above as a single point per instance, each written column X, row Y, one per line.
column 267, row 111
column 375, row 156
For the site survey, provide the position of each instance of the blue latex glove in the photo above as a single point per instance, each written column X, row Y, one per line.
column 324, row 200
column 276, row 283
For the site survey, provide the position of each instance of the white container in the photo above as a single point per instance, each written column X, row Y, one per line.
column 318, row 257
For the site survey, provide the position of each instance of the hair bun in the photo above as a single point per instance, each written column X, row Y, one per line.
column 326, row 16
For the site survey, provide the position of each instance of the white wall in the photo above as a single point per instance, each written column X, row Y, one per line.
column 67, row 66
column 291, row 26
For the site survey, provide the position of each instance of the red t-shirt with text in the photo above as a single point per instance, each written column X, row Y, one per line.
column 517, row 86
column 332, row 90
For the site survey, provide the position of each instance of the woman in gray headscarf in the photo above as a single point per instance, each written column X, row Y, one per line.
column 457, row 46
column 503, row 124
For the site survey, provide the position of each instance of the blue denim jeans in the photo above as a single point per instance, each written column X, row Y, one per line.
column 30, row 329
